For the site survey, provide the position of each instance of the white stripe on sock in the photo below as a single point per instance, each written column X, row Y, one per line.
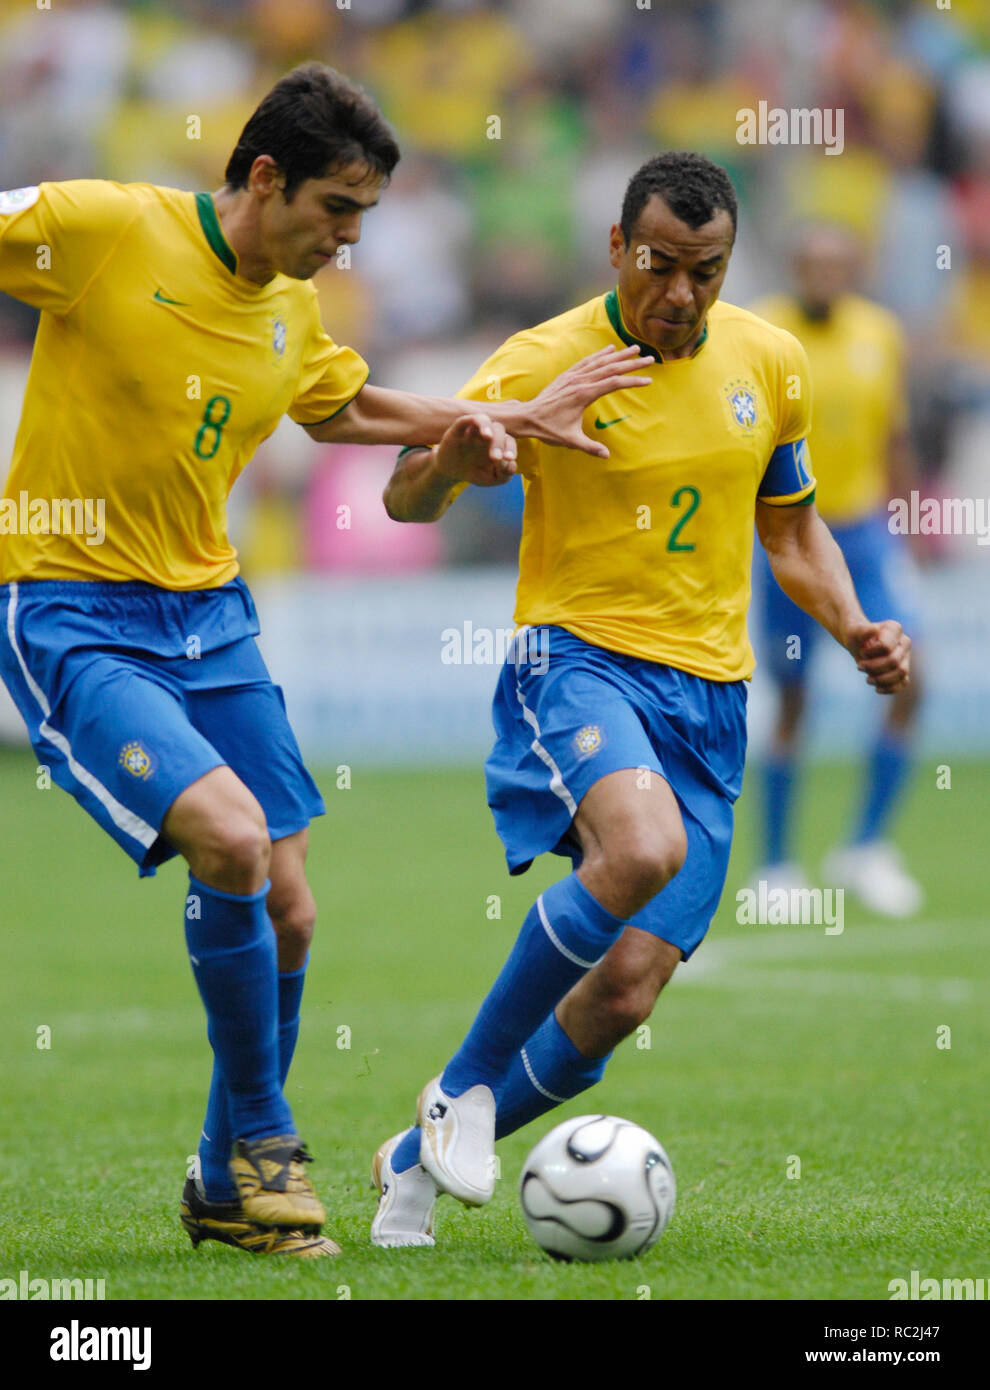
column 558, row 1100
column 556, row 939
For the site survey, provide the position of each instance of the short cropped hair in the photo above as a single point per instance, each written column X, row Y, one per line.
column 313, row 121
column 692, row 187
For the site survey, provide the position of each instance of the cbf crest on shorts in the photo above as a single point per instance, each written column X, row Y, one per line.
column 740, row 395
column 588, row 740
column 136, row 759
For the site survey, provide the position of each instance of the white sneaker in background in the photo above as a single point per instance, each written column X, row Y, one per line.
column 875, row 873
column 787, row 874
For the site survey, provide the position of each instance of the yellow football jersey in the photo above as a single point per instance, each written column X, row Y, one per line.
column 157, row 371
column 648, row 552
column 856, row 359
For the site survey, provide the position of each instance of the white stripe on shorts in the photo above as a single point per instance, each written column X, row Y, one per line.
column 124, row 819
column 556, row 780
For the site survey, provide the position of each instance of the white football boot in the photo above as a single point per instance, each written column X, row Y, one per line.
column 458, row 1144
column 875, row 873
column 405, row 1207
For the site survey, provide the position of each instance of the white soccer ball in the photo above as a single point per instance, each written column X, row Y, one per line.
column 597, row 1188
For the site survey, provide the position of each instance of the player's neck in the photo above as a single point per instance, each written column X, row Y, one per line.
column 238, row 222
column 667, row 354
column 816, row 311
column 688, row 350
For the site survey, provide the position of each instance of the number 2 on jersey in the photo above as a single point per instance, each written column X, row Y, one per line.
column 692, row 506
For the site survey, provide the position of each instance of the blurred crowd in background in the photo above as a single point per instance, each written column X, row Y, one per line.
column 480, row 236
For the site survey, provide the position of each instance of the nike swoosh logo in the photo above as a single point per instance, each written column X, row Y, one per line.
column 604, row 424
column 164, row 299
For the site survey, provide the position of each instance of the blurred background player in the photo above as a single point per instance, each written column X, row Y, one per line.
column 862, row 455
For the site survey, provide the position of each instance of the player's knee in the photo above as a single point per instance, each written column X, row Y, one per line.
column 645, row 861
column 238, row 853
column 294, row 919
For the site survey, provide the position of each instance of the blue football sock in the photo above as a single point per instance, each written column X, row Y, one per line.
column 232, row 949
column 217, row 1138
column 216, row 1143
column 547, row 1070
column 779, row 776
column 290, row 992
column 406, row 1152
column 887, row 773
column 565, row 932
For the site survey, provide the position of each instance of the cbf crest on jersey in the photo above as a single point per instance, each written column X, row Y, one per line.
column 279, row 334
column 741, row 397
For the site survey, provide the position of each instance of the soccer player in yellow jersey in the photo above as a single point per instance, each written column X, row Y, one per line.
column 862, row 458
column 176, row 330
column 620, row 715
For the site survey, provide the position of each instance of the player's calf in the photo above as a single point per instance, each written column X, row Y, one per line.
column 619, row 994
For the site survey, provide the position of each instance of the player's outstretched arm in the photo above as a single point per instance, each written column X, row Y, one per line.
column 475, row 449
column 380, row 416
column 811, row 570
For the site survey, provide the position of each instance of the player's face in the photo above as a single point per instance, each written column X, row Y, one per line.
column 825, row 265
column 303, row 235
column 670, row 275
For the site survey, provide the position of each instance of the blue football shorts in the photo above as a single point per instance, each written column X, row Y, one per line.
column 568, row 713
column 886, row 585
column 132, row 692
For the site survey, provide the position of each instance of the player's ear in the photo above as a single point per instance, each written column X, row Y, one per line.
column 616, row 246
column 265, row 177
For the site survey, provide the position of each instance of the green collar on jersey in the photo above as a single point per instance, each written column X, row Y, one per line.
column 211, row 228
column 615, row 318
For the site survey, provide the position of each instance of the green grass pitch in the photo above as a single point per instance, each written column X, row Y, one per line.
column 774, row 1042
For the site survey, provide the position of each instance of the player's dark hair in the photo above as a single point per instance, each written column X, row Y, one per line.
column 692, row 187
column 312, row 122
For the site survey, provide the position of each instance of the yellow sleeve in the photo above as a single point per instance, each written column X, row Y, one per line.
column 793, row 391
column 56, row 237
column 516, row 371
column 330, row 378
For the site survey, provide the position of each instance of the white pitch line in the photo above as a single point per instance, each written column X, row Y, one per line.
column 864, row 939
column 819, row 960
column 947, row 990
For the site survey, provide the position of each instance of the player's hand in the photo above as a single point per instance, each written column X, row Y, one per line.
column 555, row 414
column 476, row 449
column 883, row 651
